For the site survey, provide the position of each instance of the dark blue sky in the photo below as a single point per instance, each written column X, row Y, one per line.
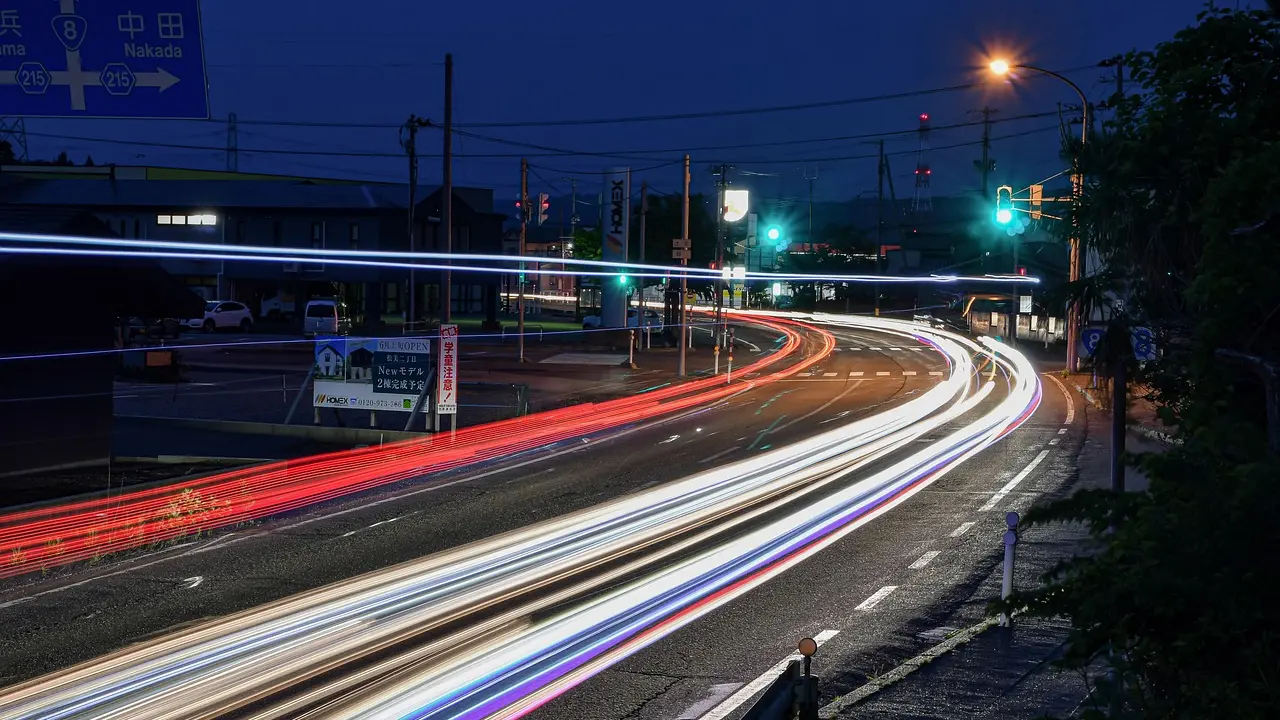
column 376, row 61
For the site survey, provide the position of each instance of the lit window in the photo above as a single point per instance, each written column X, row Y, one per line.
column 210, row 219
column 195, row 219
column 164, row 220
column 179, row 219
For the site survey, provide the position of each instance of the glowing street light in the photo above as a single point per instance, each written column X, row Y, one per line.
column 1000, row 67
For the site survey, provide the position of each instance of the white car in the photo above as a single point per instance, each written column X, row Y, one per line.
column 222, row 315
column 652, row 320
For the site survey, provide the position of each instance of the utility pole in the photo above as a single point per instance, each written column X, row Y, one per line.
column 811, row 178
column 411, row 146
column 233, row 144
column 720, row 231
column 524, row 224
column 684, row 276
column 644, row 211
column 446, row 192
column 880, row 171
column 986, row 148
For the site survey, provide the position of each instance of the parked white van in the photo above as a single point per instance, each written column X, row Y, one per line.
column 326, row 317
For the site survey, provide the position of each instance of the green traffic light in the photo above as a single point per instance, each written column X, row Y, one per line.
column 622, row 279
column 1004, row 216
column 774, row 233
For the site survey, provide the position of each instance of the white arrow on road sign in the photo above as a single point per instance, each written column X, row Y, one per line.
column 681, row 243
column 681, row 254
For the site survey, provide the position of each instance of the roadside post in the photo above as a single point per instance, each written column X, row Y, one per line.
column 715, row 370
column 729, row 375
column 1010, row 541
column 631, row 348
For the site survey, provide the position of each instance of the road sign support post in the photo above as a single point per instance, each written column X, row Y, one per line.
column 1006, row 583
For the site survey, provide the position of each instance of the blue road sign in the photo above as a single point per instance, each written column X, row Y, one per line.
column 102, row 59
column 1089, row 338
column 1144, row 343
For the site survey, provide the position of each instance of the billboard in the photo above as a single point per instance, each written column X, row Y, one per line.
column 369, row 374
column 447, row 391
column 615, row 243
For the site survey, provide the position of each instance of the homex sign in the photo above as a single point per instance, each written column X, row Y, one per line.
column 617, row 190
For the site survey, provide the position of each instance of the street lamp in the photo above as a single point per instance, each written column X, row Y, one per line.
column 1003, row 67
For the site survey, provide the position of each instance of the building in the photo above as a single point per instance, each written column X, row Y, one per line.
column 56, row 378
column 232, row 209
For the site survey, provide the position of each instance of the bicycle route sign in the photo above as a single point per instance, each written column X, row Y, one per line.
column 102, row 59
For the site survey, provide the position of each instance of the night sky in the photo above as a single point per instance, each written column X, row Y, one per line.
column 376, row 61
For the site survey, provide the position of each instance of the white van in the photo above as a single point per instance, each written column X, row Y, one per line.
column 326, row 317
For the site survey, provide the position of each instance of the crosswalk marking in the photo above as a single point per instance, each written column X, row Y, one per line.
column 908, row 372
column 936, row 373
column 856, row 373
column 882, row 373
column 829, row 374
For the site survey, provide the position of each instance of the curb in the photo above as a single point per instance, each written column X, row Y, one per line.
column 344, row 436
column 1147, row 432
column 192, row 460
column 896, row 675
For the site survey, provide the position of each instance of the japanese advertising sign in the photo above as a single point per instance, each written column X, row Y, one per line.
column 447, row 390
column 370, row 374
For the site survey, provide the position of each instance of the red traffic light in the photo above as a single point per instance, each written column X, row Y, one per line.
column 1022, row 271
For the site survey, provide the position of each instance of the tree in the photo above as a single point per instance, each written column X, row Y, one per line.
column 586, row 244
column 663, row 223
column 1183, row 204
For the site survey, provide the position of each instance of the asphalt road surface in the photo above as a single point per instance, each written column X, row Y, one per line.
column 858, row 596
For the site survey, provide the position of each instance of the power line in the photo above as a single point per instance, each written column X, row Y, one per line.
column 651, row 118
column 750, row 111
column 610, row 172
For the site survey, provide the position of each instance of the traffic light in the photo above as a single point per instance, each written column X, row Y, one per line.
column 1004, row 205
column 622, row 279
column 774, row 233
column 544, row 204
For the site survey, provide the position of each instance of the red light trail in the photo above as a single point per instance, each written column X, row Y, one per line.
column 57, row 535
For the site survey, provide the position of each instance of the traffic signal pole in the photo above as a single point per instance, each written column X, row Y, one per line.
column 879, row 224
column 684, row 275
column 524, row 224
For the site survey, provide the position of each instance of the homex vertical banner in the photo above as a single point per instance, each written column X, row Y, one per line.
column 615, row 242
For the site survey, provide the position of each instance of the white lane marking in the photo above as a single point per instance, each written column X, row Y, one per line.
column 908, row 372
column 1009, row 486
column 829, row 374
column 925, row 559
column 837, row 417
column 194, row 582
column 882, row 373
column 717, row 456
column 855, row 348
column 873, row 348
column 935, row 373
column 716, row 695
column 876, row 597
column 1062, row 431
column 856, row 373
column 748, row 691
column 1071, row 405
column 898, row 349
column 820, row 408
column 1053, row 441
column 671, row 439
column 962, row 529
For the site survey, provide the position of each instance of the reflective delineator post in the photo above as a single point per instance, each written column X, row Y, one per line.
column 631, row 349
column 715, row 369
column 1010, row 540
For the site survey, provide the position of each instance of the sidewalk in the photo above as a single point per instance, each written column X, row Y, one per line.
column 1000, row 673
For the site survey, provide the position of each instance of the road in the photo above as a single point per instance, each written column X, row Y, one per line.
column 117, row 601
column 851, row 383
